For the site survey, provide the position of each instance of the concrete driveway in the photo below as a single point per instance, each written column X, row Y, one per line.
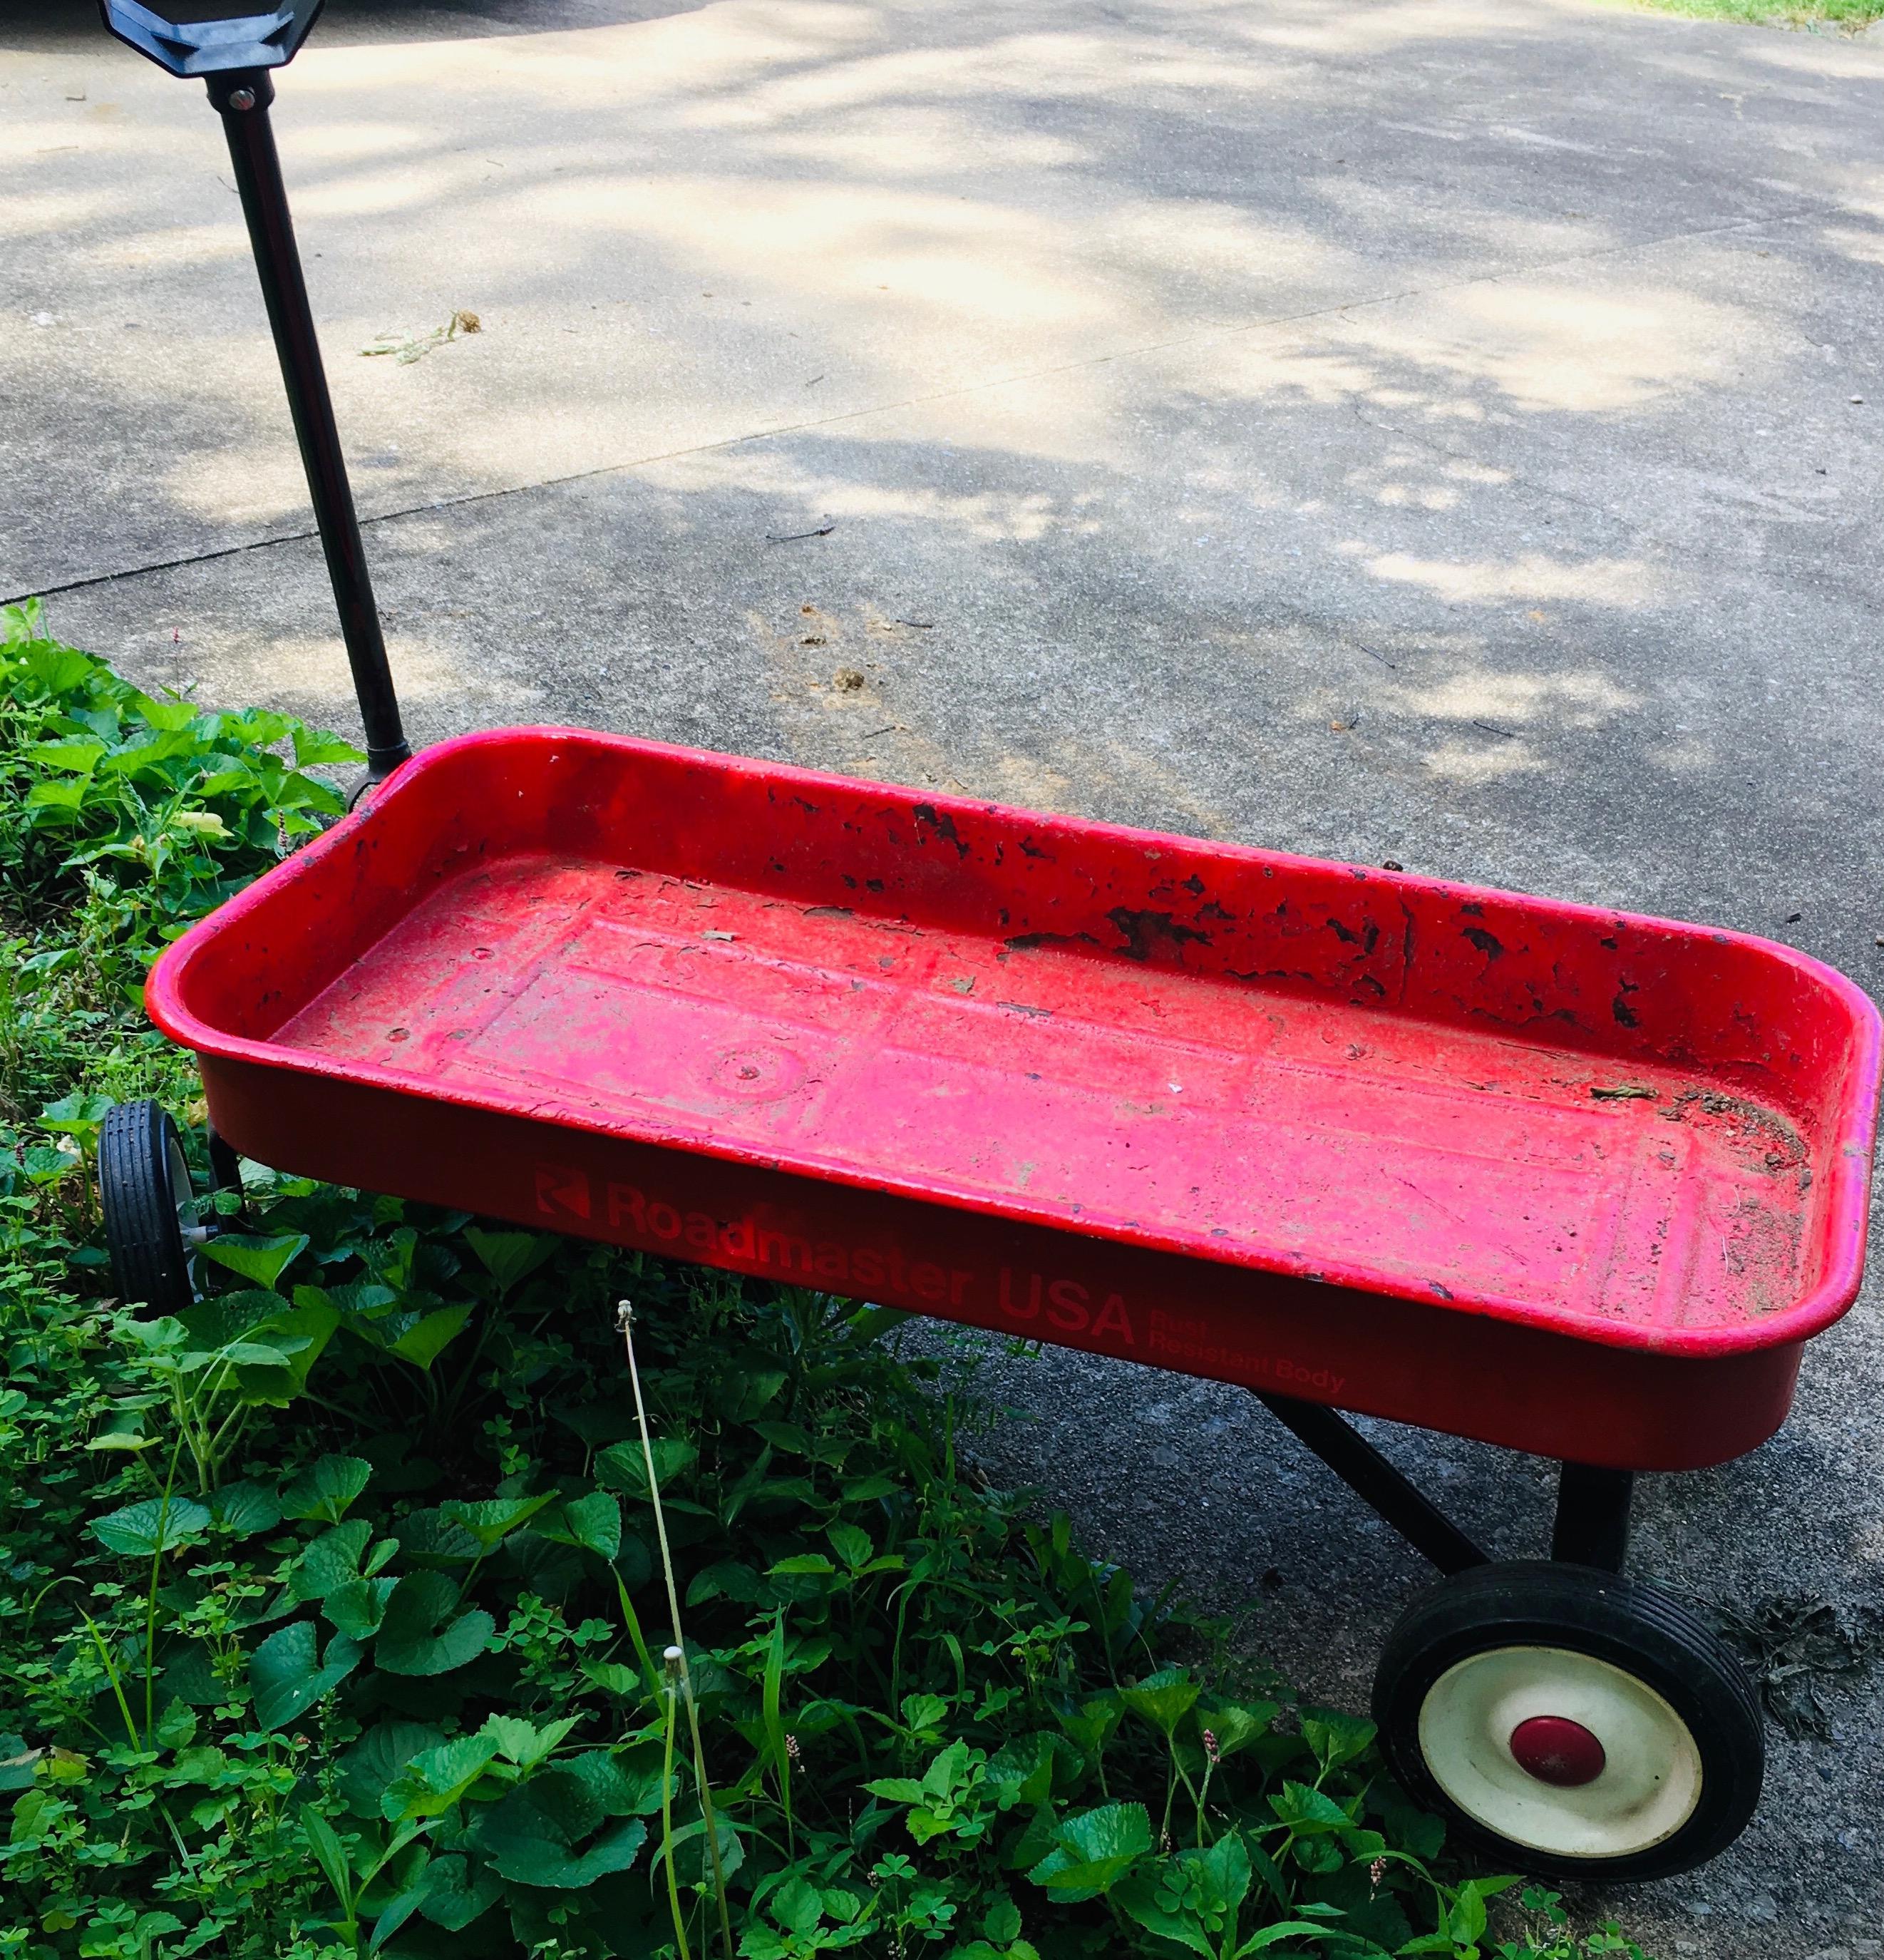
column 1447, row 430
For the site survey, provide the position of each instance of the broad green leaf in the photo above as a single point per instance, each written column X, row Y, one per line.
column 540, row 1835
column 796, row 1905
column 489, row 1519
column 1163, row 1699
column 287, row 1678
column 436, row 1778
column 1138, row 1897
column 422, row 1343
column 1022, row 1771
column 1335, row 1738
column 242, row 1510
column 803, row 1564
column 509, row 1258
column 332, row 1560
column 261, row 1261
column 1001, row 1922
column 593, row 1522
column 922, row 1711
column 60, row 670
column 621, row 1466
column 420, row 1634
column 72, row 754
column 77, row 1115
column 1093, row 1851
column 431, row 1538
column 327, row 1488
column 624, row 1782
column 523, row 1742
column 155, row 1525
column 69, row 794
column 314, row 748
column 1234, row 1725
column 1307, row 1811
column 191, row 1678
column 378, row 1759
column 252, row 1320
column 357, row 1606
column 851, row 1544
column 171, row 717
column 457, row 1892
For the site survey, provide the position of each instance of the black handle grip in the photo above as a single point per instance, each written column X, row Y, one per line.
column 213, row 46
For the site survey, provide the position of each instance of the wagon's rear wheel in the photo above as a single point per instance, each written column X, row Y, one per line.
column 1577, row 1724
column 154, row 1219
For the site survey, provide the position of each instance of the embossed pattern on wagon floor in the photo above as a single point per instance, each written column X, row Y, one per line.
column 1234, row 1123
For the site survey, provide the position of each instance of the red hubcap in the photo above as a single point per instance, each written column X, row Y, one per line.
column 1556, row 1750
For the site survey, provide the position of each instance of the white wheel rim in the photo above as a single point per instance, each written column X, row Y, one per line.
column 1647, row 1788
column 189, row 1223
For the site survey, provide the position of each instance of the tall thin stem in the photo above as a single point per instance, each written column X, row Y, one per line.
column 677, row 1653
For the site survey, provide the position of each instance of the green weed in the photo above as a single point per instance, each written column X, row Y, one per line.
column 374, row 1605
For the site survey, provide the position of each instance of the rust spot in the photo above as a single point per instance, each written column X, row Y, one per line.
column 1142, row 929
column 1194, row 886
column 929, row 818
column 1624, row 1013
column 1488, row 942
column 1027, row 941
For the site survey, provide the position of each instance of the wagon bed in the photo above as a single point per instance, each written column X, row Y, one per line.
column 953, row 1055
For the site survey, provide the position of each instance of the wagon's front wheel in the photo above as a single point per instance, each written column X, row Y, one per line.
column 154, row 1219
column 1575, row 1724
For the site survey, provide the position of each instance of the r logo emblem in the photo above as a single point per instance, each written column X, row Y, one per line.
column 560, row 1190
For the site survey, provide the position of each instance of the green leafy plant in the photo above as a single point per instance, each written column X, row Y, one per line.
column 382, row 1603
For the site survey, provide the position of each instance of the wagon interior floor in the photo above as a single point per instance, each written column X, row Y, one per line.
column 1224, row 1118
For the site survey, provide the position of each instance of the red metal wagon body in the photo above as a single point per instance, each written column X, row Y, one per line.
column 1567, row 1180
column 1571, row 1181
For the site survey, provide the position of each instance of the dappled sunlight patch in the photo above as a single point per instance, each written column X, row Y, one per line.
column 189, row 246
column 343, row 142
column 1552, row 344
column 268, row 489
column 1865, row 246
column 401, row 186
column 996, row 516
column 1482, row 760
column 1581, row 698
column 896, row 140
column 1407, row 478
column 28, row 214
column 1373, row 31
column 1531, row 576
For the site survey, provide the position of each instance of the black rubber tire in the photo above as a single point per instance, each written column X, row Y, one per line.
column 1632, row 1627
column 143, row 1185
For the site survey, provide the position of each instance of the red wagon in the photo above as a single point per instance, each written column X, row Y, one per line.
column 1573, row 1182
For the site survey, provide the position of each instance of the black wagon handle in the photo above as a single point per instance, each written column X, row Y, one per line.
column 234, row 57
